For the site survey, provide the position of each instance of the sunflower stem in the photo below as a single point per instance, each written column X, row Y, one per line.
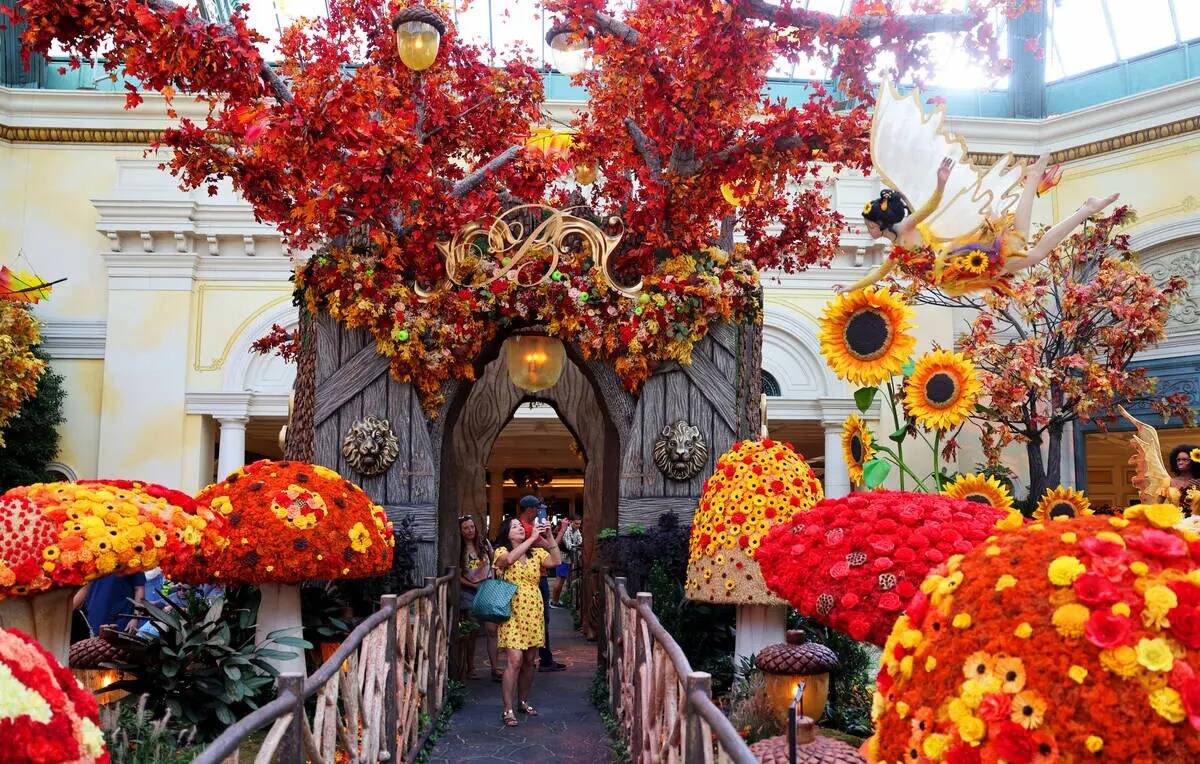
column 899, row 462
column 937, row 471
column 900, row 443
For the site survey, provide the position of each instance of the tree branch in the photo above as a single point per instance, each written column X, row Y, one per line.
column 269, row 76
column 869, row 26
column 646, row 148
column 472, row 181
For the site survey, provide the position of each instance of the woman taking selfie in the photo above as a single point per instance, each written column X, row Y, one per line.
column 522, row 634
column 475, row 562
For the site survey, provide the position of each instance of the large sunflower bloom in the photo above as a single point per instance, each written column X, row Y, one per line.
column 941, row 391
column 865, row 335
column 981, row 489
column 1062, row 503
column 857, row 446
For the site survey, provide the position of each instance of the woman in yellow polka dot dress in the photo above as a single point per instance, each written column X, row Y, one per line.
column 523, row 633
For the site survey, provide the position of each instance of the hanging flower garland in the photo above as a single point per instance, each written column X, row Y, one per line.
column 1065, row 640
column 45, row 716
column 288, row 522
column 853, row 563
column 431, row 339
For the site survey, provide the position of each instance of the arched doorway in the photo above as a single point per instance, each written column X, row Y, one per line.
column 480, row 411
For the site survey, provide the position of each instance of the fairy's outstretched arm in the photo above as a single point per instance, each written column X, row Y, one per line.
column 873, row 276
column 933, row 202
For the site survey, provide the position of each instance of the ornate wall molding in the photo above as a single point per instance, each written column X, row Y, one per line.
column 108, row 136
column 74, row 339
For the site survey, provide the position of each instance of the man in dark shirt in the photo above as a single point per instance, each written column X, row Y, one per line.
column 527, row 513
column 106, row 601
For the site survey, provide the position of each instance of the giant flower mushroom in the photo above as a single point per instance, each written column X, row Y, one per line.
column 289, row 522
column 756, row 484
column 58, row 536
column 45, row 716
column 853, row 563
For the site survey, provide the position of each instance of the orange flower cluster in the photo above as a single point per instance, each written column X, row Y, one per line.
column 289, row 522
column 756, row 485
column 66, row 534
column 1072, row 641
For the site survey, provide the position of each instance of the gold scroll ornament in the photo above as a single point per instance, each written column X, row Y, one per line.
column 551, row 241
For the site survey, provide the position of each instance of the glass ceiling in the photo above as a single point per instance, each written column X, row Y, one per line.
column 1088, row 34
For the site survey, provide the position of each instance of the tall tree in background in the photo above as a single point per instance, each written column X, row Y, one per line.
column 20, row 366
column 1060, row 349
column 30, row 440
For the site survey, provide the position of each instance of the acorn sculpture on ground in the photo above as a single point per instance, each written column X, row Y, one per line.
column 57, row 537
column 756, row 485
column 288, row 522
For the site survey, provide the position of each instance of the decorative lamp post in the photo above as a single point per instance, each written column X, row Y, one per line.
column 418, row 34
column 793, row 665
column 535, row 362
column 568, row 49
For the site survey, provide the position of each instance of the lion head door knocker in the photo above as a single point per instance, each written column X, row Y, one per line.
column 370, row 447
column 680, row 451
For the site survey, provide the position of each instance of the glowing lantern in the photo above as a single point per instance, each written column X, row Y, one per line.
column 418, row 34
column 585, row 174
column 568, row 49
column 554, row 144
column 735, row 200
column 535, row 362
column 786, row 666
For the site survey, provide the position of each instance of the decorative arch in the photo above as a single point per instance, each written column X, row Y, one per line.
column 247, row 371
column 792, row 355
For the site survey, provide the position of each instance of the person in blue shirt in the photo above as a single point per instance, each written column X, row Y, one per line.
column 106, row 601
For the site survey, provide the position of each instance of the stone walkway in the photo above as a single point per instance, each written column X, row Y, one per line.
column 567, row 729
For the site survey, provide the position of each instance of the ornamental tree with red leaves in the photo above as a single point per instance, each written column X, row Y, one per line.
column 855, row 562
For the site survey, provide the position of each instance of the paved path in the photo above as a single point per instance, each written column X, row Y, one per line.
column 567, row 729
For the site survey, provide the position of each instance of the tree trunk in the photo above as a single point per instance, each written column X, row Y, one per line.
column 1037, row 469
column 1054, row 456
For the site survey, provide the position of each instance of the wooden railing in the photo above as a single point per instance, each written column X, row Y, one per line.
column 664, row 708
column 377, row 697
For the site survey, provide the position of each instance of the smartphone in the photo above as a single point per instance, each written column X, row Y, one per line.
column 541, row 515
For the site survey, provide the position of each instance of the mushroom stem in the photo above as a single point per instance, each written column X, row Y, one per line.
column 757, row 627
column 45, row 616
column 279, row 614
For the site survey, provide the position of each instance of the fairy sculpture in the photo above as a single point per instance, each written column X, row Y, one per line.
column 952, row 224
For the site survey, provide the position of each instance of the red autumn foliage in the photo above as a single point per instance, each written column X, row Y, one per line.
column 854, row 563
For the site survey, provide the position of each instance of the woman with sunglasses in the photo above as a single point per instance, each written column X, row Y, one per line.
column 475, row 564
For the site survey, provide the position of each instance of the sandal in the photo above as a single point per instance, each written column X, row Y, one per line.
column 509, row 719
column 497, row 676
column 527, row 709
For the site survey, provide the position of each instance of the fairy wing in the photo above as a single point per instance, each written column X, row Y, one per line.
column 1150, row 478
column 907, row 145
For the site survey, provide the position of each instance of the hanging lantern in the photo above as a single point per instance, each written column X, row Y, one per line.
column 727, row 191
column 418, row 34
column 535, row 362
column 569, row 49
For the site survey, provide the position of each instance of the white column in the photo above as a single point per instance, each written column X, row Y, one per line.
column 837, row 475
column 231, row 450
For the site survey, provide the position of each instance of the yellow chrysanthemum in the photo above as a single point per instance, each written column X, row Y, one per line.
column 858, row 446
column 865, row 335
column 980, row 489
column 1062, row 503
column 942, row 390
column 1159, row 515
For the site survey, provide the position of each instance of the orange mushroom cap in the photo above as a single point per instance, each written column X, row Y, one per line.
column 288, row 522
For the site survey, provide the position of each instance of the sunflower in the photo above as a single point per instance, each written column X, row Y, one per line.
column 981, row 489
column 865, row 335
column 857, row 446
column 1195, row 454
column 942, row 389
column 976, row 263
column 1062, row 504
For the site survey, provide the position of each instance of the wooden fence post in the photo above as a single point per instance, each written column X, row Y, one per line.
column 618, row 648
column 431, row 649
column 643, row 680
column 390, row 684
column 694, row 739
column 291, row 748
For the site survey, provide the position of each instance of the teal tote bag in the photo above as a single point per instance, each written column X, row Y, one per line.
column 493, row 600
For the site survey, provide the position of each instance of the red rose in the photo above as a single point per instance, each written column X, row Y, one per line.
column 935, row 556
column 996, row 707
column 840, row 569
column 881, row 563
column 777, row 486
column 1105, row 630
column 737, row 518
column 1185, row 625
column 743, row 541
column 963, row 754
column 1014, row 744
column 890, row 602
column 1186, row 592
column 859, row 628
column 1094, row 589
column 1189, row 690
column 904, row 555
column 906, row 589
column 883, row 546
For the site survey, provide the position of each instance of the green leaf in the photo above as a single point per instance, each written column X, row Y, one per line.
column 864, row 397
column 898, row 435
column 303, row 644
column 908, row 368
column 875, row 472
